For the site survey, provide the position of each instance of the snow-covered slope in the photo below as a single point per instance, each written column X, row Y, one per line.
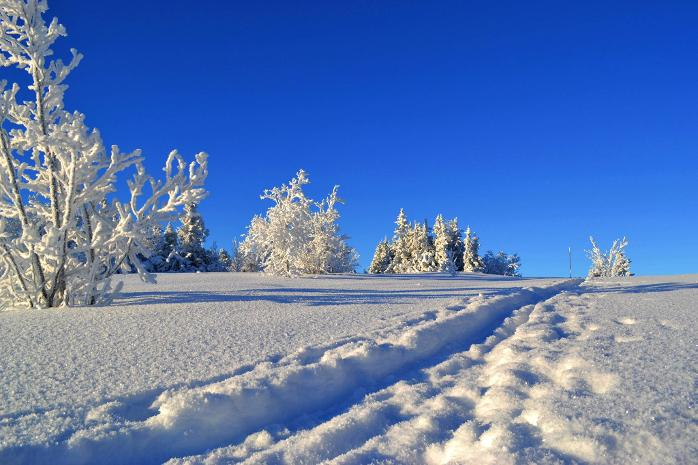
column 231, row 368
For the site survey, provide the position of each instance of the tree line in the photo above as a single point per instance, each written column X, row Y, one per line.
column 64, row 233
column 417, row 248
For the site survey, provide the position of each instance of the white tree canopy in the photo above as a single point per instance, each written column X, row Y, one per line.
column 56, row 177
column 297, row 235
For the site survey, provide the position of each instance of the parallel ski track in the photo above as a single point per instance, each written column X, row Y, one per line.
column 313, row 382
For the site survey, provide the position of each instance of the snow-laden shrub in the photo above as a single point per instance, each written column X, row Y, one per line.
column 297, row 235
column 501, row 263
column 609, row 264
column 57, row 176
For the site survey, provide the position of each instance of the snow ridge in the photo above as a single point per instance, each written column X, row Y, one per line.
column 193, row 420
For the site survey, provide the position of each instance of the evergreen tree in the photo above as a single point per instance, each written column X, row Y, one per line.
column 401, row 246
column 382, row 258
column 225, row 261
column 456, row 242
column 170, row 242
column 471, row 258
column 442, row 241
column 423, row 259
column 153, row 244
column 191, row 236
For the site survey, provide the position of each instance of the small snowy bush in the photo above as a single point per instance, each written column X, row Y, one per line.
column 67, row 237
column 501, row 264
column 609, row 264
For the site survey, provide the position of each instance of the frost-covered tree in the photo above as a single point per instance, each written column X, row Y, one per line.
column 57, row 178
column 153, row 244
column 225, row 261
column 170, row 246
column 245, row 257
column 254, row 249
column 401, row 246
column 191, row 236
column 298, row 235
column 456, row 242
column 501, row 264
column 472, row 261
column 327, row 249
column 442, row 242
column 382, row 258
column 450, row 267
column 621, row 265
column 609, row 264
column 422, row 245
column 599, row 261
column 236, row 256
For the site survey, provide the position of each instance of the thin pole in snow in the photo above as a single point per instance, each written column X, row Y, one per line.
column 569, row 252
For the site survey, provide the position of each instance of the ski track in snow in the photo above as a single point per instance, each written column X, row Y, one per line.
column 559, row 374
column 547, row 387
column 194, row 419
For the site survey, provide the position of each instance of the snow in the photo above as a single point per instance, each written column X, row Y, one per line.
column 353, row 369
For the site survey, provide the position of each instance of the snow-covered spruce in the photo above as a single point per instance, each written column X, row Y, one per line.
column 610, row 264
column 441, row 243
column 297, row 235
column 182, row 250
column 56, row 175
column 381, row 258
column 456, row 242
column 471, row 253
column 416, row 249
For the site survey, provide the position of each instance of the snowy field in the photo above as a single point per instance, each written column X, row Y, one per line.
column 233, row 368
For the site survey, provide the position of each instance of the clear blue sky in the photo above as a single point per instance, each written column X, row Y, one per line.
column 537, row 123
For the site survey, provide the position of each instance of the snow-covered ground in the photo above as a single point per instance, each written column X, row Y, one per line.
column 230, row 368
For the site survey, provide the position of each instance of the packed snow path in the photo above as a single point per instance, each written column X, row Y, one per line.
column 490, row 372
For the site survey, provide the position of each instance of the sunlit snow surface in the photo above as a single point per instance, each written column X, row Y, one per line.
column 228, row 368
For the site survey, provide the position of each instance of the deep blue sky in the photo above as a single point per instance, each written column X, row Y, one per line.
column 537, row 123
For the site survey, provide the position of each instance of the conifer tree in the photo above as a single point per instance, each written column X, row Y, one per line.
column 382, row 258
column 471, row 258
column 401, row 246
column 442, row 241
column 191, row 236
column 224, row 262
column 456, row 242
column 423, row 259
column 153, row 244
column 170, row 242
